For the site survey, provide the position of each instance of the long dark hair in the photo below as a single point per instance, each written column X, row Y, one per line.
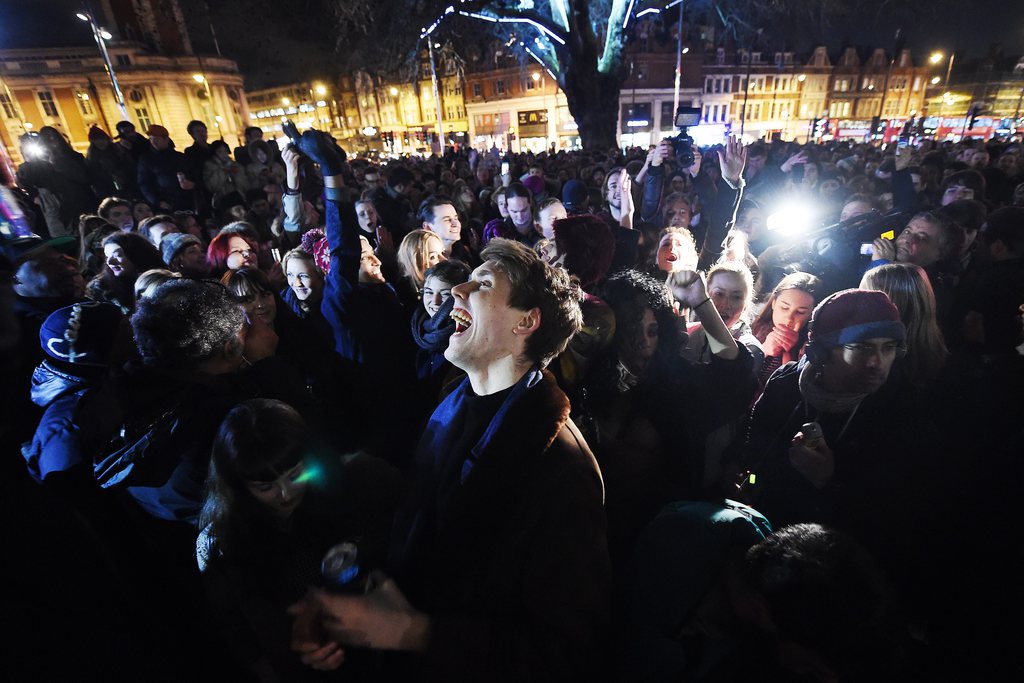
column 121, row 290
column 259, row 440
column 763, row 323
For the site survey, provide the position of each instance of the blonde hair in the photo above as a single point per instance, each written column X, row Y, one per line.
column 909, row 289
column 741, row 271
column 413, row 254
column 147, row 283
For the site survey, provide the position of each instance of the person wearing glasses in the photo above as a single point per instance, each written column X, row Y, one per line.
column 864, row 464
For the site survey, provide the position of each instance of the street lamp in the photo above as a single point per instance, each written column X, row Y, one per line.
column 101, row 36
column 201, row 78
column 935, row 80
column 285, row 101
column 321, row 90
column 393, row 91
column 536, row 76
column 936, row 58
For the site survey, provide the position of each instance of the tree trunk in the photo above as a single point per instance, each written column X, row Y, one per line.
column 593, row 100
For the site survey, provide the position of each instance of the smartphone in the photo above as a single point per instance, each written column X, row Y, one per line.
column 504, row 168
column 867, row 249
column 276, row 253
column 812, row 434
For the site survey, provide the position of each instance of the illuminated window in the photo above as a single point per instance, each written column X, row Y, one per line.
column 142, row 114
column 84, row 103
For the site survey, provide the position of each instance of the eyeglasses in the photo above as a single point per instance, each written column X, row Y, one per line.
column 862, row 351
column 244, row 253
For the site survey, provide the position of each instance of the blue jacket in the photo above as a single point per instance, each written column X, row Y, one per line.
column 370, row 326
column 55, row 447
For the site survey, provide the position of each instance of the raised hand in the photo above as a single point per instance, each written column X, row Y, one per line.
column 795, row 160
column 733, row 159
column 695, row 167
column 883, row 249
column 319, row 147
column 688, row 287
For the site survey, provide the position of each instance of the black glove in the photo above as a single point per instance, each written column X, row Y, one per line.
column 319, row 147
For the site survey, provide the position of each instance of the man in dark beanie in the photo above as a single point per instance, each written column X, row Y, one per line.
column 78, row 342
column 184, row 253
column 838, row 439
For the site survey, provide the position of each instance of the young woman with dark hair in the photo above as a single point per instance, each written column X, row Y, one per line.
column 128, row 255
column 276, row 503
column 781, row 327
column 647, row 411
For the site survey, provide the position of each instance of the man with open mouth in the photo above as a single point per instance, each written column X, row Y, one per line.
column 500, row 560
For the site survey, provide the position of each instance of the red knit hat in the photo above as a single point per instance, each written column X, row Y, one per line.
column 853, row 315
column 315, row 242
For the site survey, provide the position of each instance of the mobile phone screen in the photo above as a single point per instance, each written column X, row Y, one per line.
column 504, row 168
column 867, row 249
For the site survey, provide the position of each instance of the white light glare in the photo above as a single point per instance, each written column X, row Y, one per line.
column 792, row 219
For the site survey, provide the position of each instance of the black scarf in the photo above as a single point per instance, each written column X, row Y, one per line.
column 431, row 335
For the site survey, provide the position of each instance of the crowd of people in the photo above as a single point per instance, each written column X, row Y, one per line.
column 578, row 415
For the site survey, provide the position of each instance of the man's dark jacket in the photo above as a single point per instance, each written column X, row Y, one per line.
column 515, row 574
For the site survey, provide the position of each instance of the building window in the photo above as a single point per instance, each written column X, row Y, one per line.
column 124, row 60
column 477, row 90
column 8, row 106
column 728, row 84
column 49, row 106
column 707, row 84
column 499, row 87
column 530, row 83
column 84, row 103
column 142, row 114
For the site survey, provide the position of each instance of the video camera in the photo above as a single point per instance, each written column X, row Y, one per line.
column 682, row 144
column 837, row 253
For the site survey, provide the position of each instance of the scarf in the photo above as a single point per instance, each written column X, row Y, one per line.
column 822, row 400
column 431, row 335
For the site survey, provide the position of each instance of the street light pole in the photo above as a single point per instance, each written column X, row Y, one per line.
column 101, row 43
column 437, row 94
column 679, row 62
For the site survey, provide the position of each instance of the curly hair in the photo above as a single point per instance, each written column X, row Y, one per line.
column 536, row 284
column 184, row 323
column 630, row 293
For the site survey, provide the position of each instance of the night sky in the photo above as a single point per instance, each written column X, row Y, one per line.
column 969, row 27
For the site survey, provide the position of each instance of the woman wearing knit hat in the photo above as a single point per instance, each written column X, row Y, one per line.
column 185, row 254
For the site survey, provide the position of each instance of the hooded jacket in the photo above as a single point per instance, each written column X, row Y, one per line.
column 55, row 447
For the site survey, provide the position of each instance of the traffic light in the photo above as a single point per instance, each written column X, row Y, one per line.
column 972, row 115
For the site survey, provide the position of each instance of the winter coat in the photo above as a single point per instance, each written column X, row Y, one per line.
column 224, row 177
column 55, row 447
column 515, row 572
column 158, row 178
